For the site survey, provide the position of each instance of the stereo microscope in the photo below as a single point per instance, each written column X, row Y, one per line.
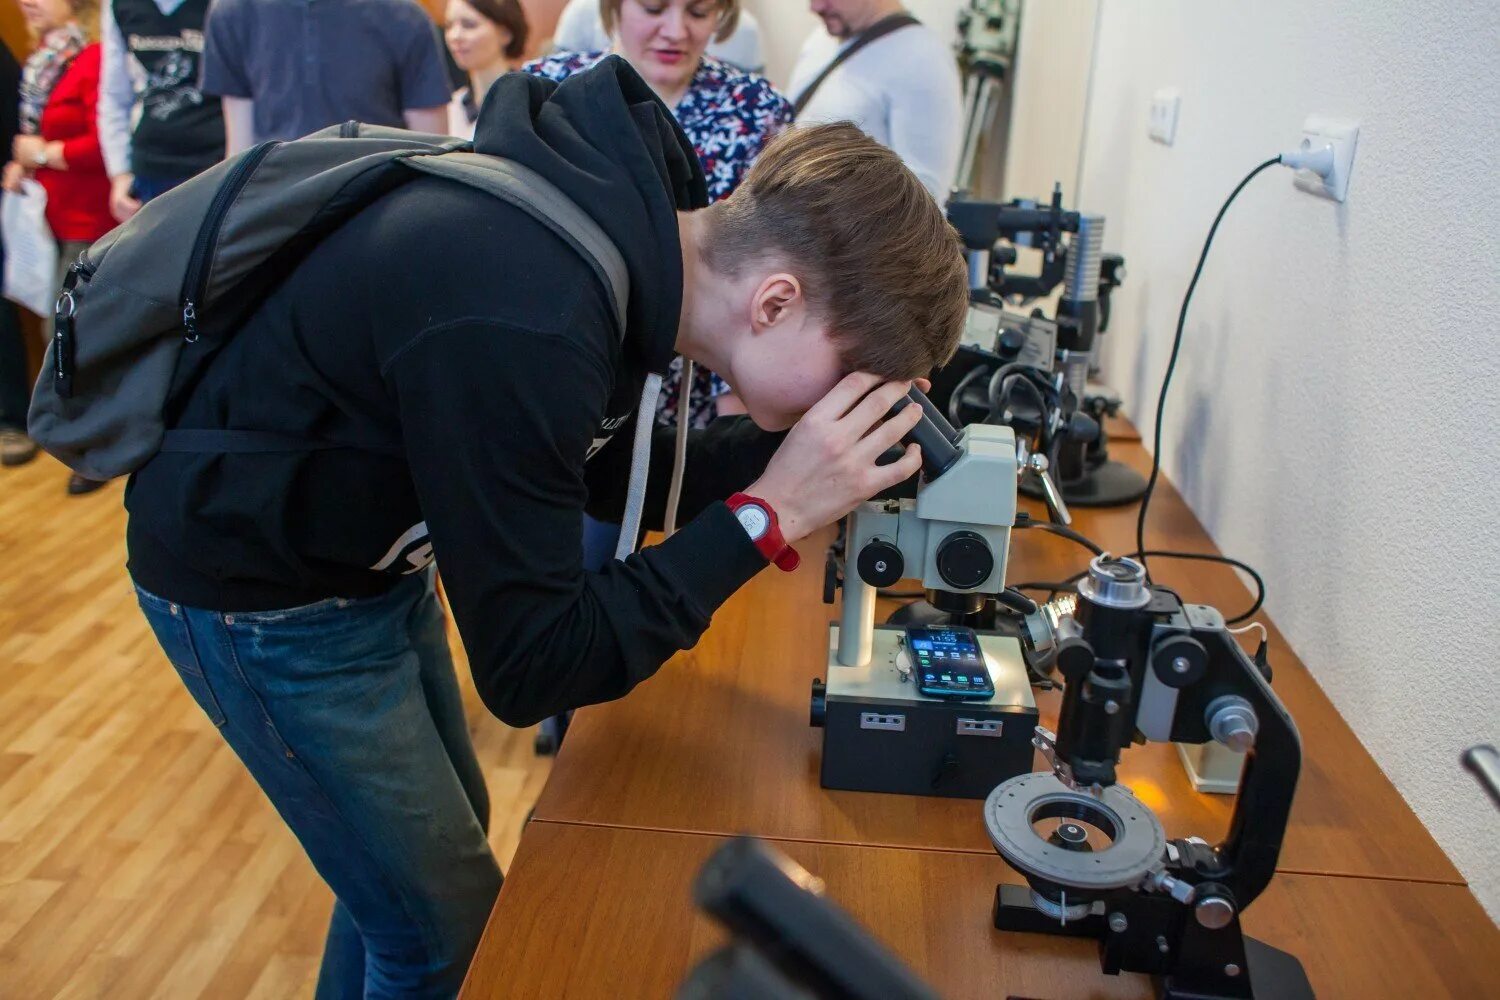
column 880, row 733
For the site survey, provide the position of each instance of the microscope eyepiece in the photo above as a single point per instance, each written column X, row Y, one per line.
column 932, row 434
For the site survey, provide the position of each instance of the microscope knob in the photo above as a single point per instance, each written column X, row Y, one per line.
column 1179, row 661
column 1075, row 657
column 818, row 712
column 1010, row 343
column 880, row 563
column 1082, row 427
column 964, row 560
column 1232, row 721
column 1214, row 911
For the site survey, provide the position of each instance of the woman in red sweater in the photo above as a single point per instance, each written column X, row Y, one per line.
column 59, row 139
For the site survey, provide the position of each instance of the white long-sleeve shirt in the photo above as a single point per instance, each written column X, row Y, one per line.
column 902, row 90
column 120, row 82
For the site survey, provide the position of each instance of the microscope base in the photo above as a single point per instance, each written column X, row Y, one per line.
column 880, row 735
column 1199, row 969
column 1109, row 485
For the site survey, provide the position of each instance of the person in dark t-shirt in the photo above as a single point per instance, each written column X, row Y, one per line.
column 286, row 68
column 153, row 50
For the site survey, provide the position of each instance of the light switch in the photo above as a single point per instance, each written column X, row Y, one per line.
column 1164, row 107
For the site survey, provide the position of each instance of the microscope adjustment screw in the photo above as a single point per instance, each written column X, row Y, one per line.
column 1179, row 890
column 1118, row 923
column 1231, row 970
column 1161, row 944
column 1232, row 722
column 880, row 563
column 1214, row 912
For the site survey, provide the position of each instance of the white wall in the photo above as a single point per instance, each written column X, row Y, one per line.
column 1050, row 98
column 1334, row 419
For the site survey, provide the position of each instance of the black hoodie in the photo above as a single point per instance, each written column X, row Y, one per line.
column 476, row 354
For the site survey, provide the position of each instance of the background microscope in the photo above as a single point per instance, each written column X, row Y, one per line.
column 1030, row 371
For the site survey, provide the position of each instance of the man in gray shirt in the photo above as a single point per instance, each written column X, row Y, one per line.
column 285, row 68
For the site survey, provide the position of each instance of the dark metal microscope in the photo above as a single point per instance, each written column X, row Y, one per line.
column 1097, row 863
column 1028, row 371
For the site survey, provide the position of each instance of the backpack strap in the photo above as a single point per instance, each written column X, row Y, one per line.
column 511, row 182
column 543, row 201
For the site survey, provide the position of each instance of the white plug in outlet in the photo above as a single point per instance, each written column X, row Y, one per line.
column 1319, row 133
column 1164, row 107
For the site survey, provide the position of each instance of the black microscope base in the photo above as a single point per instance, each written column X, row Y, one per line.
column 1109, row 485
column 1272, row 973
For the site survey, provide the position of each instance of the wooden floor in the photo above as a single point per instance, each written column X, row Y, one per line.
column 137, row 857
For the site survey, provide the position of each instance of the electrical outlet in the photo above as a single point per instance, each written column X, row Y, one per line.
column 1164, row 107
column 1342, row 135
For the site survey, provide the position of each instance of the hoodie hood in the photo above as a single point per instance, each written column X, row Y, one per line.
column 606, row 140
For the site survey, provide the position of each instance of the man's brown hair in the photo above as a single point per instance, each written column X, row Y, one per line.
column 874, row 253
column 729, row 16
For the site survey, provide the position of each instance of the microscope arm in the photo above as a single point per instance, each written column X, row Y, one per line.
column 1272, row 764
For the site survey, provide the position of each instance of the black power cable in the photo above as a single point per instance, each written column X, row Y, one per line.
column 1024, row 521
column 1166, row 382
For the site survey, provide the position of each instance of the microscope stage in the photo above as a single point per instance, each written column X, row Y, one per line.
column 880, row 678
column 881, row 735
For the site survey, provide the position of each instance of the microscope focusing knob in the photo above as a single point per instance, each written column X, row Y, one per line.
column 1179, row 661
column 1232, row 721
column 880, row 563
column 1214, row 911
column 1075, row 657
column 817, row 712
column 964, row 560
column 1010, row 343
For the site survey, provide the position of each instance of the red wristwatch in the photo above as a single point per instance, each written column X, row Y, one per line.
column 758, row 519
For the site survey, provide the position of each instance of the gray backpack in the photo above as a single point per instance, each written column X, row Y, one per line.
column 193, row 263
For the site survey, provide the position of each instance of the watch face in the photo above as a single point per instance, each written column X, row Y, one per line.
column 754, row 519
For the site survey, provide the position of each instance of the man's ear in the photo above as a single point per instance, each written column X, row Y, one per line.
column 778, row 295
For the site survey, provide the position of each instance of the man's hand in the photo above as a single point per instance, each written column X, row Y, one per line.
column 122, row 204
column 826, row 466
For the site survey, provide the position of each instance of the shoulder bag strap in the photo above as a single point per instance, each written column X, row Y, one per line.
column 874, row 32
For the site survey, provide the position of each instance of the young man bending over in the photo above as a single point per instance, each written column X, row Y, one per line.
column 471, row 362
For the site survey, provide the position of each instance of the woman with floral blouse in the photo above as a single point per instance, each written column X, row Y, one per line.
column 728, row 114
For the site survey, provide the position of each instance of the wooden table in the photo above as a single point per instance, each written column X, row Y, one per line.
column 597, row 902
column 607, row 912
column 719, row 742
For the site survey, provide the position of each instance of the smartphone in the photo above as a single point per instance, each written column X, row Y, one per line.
column 947, row 662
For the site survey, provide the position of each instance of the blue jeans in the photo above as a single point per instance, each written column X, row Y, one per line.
column 348, row 715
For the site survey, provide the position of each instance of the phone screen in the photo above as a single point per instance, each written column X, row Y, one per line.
column 948, row 663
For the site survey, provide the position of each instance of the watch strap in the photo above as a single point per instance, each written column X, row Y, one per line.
column 772, row 544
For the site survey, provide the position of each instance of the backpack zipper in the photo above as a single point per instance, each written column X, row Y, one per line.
column 62, row 324
column 195, row 282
